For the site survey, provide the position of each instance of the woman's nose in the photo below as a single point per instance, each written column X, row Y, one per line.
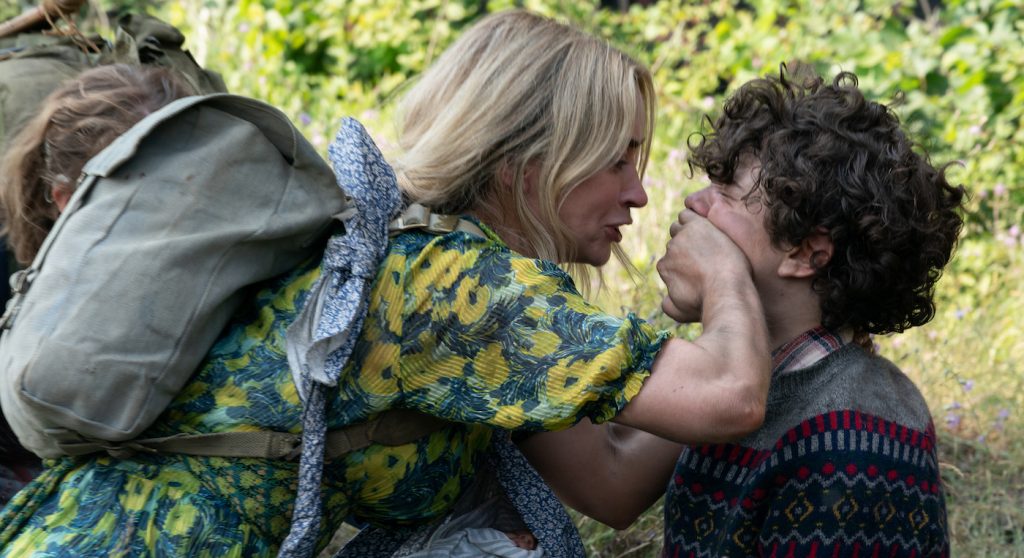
column 634, row 194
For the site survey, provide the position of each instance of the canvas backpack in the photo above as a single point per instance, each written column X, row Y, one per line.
column 34, row 64
column 147, row 263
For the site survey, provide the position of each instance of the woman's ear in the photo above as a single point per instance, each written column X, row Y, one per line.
column 530, row 173
column 531, row 188
column 804, row 260
column 507, row 170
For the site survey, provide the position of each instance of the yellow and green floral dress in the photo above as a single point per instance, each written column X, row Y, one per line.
column 458, row 327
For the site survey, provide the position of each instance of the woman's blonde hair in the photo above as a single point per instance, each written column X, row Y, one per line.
column 73, row 124
column 518, row 90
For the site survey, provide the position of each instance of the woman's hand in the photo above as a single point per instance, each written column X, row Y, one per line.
column 713, row 388
column 697, row 254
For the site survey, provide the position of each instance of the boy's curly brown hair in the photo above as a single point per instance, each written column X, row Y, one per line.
column 831, row 159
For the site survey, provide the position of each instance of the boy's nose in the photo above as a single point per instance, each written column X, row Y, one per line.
column 698, row 202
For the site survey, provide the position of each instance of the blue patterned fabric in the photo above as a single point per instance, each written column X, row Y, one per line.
column 379, row 542
column 335, row 311
column 540, row 509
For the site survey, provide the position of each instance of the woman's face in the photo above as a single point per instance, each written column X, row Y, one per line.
column 596, row 210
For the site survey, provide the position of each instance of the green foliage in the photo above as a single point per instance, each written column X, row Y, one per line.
column 962, row 84
column 8, row 11
column 12, row 8
column 958, row 69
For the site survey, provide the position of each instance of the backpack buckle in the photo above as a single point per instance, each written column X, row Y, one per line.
column 418, row 216
column 20, row 281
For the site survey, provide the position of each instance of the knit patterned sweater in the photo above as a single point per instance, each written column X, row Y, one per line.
column 844, row 465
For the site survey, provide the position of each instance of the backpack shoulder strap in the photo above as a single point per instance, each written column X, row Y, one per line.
column 417, row 216
column 390, row 428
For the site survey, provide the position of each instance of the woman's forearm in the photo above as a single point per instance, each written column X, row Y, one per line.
column 714, row 388
column 623, row 470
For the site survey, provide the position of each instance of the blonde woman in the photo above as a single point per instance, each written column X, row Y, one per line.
column 538, row 134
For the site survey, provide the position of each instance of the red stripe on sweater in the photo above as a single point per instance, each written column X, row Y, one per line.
column 747, row 456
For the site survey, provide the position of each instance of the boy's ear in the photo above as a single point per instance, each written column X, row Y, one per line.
column 805, row 259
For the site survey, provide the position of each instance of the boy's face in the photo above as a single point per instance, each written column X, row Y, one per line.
column 742, row 220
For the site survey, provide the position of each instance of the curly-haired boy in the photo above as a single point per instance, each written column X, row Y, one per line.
column 847, row 227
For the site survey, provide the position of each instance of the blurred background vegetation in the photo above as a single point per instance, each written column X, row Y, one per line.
column 958, row 64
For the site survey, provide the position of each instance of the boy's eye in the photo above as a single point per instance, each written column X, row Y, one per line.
column 723, row 190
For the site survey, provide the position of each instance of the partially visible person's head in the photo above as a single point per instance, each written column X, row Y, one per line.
column 523, row 538
column 517, row 113
column 43, row 161
column 816, row 160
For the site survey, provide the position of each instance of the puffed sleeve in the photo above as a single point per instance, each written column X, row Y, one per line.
column 492, row 337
